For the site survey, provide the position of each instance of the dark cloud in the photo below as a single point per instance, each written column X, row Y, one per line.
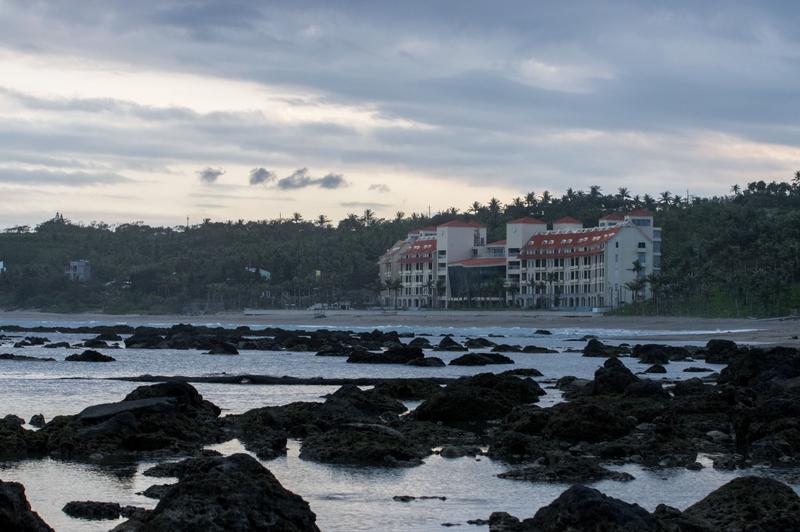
column 260, row 176
column 210, row 175
column 301, row 179
column 380, row 187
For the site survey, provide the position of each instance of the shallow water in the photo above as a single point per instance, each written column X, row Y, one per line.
column 344, row 498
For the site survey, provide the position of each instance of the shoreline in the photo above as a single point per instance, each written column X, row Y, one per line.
column 769, row 331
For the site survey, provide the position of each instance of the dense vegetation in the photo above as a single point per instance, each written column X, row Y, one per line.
column 735, row 255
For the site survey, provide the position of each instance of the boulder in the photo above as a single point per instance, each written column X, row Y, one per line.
column 407, row 389
column 15, row 510
column 480, row 359
column 427, row 362
column 23, row 358
column 656, row 368
column 659, row 354
column 478, row 343
column 223, row 348
column 721, row 351
column 537, row 349
column 596, row 348
column 612, row 378
column 448, row 344
column 749, row 503
column 37, row 420
column 92, row 510
column 399, row 354
column 228, row 493
column 89, row 356
column 58, row 345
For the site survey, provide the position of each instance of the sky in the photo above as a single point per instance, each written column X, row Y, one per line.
column 156, row 111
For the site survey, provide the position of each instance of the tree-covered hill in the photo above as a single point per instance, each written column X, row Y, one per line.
column 735, row 255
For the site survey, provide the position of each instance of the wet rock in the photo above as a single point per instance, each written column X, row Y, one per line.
column 574, row 387
column 659, row 354
column 109, row 337
column 448, row 344
column 656, row 368
column 409, row 498
column 506, row 348
column 646, row 388
column 478, row 343
column 15, row 510
column 90, row 356
column 692, row 386
column 178, row 469
column 223, row 348
column 95, row 344
column 428, row 362
column 58, row 345
column 612, row 378
column 15, row 442
column 363, row 444
column 480, row 359
column 544, row 332
column 407, row 389
column 350, row 402
column 228, row 493
column 459, row 451
column 13, row 420
column 37, row 420
column 30, row 341
column 23, row 358
column 695, row 369
column 537, row 349
column 721, row 351
column 560, row 467
column 596, row 348
column 587, row 421
column 92, row 510
column 749, row 503
column 586, row 509
column 399, row 354
column 156, row 491
column 260, row 432
column 503, row 522
column 422, row 343
column 523, row 372
column 725, row 462
column 757, row 367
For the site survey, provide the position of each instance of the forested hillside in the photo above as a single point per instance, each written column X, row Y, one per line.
column 736, row 255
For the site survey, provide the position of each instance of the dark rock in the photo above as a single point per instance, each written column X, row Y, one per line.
column 721, row 351
column 586, row 509
column 560, row 467
column 157, row 491
column 480, row 359
column 692, row 386
column 755, row 367
column 695, row 369
column 506, row 348
column 363, row 445
column 95, row 344
column 612, row 378
column 12, row 420
column 749, row 503
column 542, row 332
column 478, row 343
column 405, row 389
column 523, row 372
column 656, row 368
column 646, row 388
column 178, row 469
column 428, row 362
column 659, row 354
column 459, row 451
column 409, row 498
column 448, row 344
column 422, row 343
column 15, row 510
column 573, row 387
column 228, row 493
column 223, row 348
column 109, row 337
column 37, row 420
column 90, row 356
column 596, row 348
column 537, row 349
column 58, row 345
column 92, row 510
column 30, row 341
column 503, row 522
column 399, row 354
column 579, row 421
column 23, row 358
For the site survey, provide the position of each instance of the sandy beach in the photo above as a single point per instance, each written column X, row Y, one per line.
column 777, row 331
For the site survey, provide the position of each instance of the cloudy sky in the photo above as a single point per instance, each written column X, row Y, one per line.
column 155, row 111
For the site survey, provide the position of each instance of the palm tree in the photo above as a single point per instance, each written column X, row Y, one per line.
column 494, row 207
column 736, row 189
column 594, row 191
column 368, row 217
column 322, row 221
column 475, row 208
column 666, row 196
column 530, row 199
column 623, row 194
column 546, row 197
column 297, row 218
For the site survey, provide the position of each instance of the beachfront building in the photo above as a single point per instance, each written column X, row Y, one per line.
column 79, row 270
column 566, row 266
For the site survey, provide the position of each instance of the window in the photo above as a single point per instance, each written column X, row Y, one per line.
column 641, row 245
column 656, row 234
column 657, row 246
column 616, row 244
column 513, row 251
column 642, row 222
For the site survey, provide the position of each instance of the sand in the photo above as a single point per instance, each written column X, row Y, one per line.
column 773, row 331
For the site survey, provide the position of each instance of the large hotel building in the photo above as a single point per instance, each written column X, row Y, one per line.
column 567, row 266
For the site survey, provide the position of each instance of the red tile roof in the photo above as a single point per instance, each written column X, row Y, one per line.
column 640, row 212
column 528, row 220
column 423, row 246
column 573, row 240
column 419, row 251
column 568, row 220
column 612, row 216
column 460, row 223
column 500, row 261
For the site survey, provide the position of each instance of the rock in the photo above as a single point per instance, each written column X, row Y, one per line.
column 30, row 341
column 694, row 466
column 92, row 510
column 228, row 493
column 448, row 344
column 428, row 362
column 579, row 421
column 656, row 368
column 480, row 359
column 459, row 451
column 15, row 510
column 523, row 372
column 363, row 444
column 107, row 410
column 725, row 462
column 692, row 386
column 399, row 354
column 37, row 420
column 586, row 509
column 351, row 403
column 503, row 522
column 223, row 348
column 749, row 503
column 542, row 332
column 659, row 354
column 409, row 498
column 537, row 349
column 574, row 387
column 95, row 344
column 178, row 469
column 612, row 378
column 596, row 348
column 557, row 467
column 109, row 337
column 646, row 388
column 756, row 367
column 478, row 343
column 407, row 389
column 695, row 369
column 12, row 420
column 90, row 356
column 721, row 351
column 23, row 358
column 58, row 345
column 157, row 491
column 506, row 348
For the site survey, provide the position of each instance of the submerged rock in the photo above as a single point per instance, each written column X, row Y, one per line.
column 480, row 359
column 90, row 356
column 15, row 510
column 93, row 510
column 363, row 445
column 558, row 467
column 23, row 358
column 428, row 362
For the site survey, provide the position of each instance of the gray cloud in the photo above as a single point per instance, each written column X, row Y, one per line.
column 52, row 177
column 380, row 187
column 260, row 176
column 364, row 204
column 301, row 179
column 210, row 175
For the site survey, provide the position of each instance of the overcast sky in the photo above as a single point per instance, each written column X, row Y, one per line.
column 155, row 111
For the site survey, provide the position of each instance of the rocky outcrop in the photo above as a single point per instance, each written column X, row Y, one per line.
column 219, row 494
column 612, row 378
column 596, row 348
column 15, row 510
column 428, row 362
column 398, row 354
column 659, row 354
column 480, row 359
column 448, row 344
column 562, row 467
column 93, row 510
column 89, row 356
column 23, row 358
column 362, row 444
column 407, row 389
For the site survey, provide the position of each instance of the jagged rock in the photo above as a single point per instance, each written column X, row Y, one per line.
column 656, row 368
column 537, row 349
column 480, row 359
column 399, row 354
column 756, row 367
column 228, row 493
column 596, row 348
column 178, row 469
column 405, row 389
column 564, row 468
column 223, row 348
column 90, row 356
column 15, row 510
column 37, row 420
column 364, row 445
column 448, row 344
column 157, row 491
column 612, row 378
column 721, row 351
column 30, row 341
column 749, row 503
